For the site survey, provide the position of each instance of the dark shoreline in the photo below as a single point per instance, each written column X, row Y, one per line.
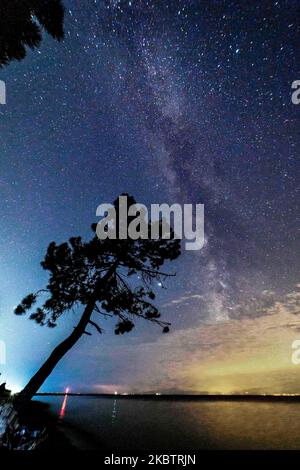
column 173, row 397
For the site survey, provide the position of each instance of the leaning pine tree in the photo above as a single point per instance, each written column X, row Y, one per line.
column 106, row 278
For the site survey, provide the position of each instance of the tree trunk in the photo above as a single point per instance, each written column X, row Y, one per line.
column 58, row 353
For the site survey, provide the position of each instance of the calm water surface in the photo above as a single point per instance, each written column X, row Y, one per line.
column 179, row 425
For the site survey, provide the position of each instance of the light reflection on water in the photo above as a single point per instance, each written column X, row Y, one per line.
column 182, row 425
column 114, row 412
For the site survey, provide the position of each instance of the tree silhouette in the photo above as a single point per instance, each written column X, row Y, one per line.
column 109, row 278
column 21, row 24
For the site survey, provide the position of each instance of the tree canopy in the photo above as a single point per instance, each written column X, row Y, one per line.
column 77, row 269
column 21, row 25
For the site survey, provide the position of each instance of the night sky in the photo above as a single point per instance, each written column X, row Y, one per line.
column 174, row 101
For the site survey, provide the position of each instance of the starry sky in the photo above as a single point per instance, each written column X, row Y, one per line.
column 174, row 101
